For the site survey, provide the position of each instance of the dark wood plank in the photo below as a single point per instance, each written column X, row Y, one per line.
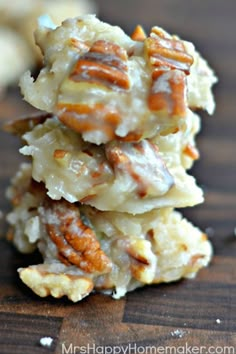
column 22, row 333
column 178, row 314
column 176, row 302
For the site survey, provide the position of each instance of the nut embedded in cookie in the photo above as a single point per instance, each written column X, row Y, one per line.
column 113, row 86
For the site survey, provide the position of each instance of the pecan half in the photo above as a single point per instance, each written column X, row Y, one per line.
column 104, row 64
column 103, row 68
column 75, row 241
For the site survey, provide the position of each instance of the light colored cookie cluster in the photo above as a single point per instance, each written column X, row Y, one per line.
column 110, row 160
column 18, row 21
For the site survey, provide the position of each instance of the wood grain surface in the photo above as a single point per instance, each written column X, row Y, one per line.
column 179, row 315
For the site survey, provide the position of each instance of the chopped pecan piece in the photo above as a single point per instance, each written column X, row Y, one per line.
column 142, row 162
column 77, row 44
column 76, row 242
column 84, row 118
column 158, row 31
column 164, row 52
column 23, row 125
column 169, row 64
column 44, row 282
column 137, row 251
column 191, row 151
column 168, row 92
column 62, row 157
column 138, row 34
column 131, row 137
column 143, row 260
column 110, row 53
column 194, row 260
column 59, row 154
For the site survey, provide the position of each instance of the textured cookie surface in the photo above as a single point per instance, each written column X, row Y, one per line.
column 138, row 177
column 85, row 249
column 106, row 85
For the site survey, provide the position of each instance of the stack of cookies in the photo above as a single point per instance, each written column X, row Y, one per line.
column 109, row 159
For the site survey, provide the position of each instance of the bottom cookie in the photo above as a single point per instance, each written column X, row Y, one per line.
column 84, row 249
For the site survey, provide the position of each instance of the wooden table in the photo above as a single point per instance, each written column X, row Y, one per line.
column 200, row 312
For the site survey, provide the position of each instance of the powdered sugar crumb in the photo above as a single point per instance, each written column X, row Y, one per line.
column 46, row 342
column 178, row 333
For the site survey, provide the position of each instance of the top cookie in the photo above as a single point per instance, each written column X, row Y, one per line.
column 106, row 85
